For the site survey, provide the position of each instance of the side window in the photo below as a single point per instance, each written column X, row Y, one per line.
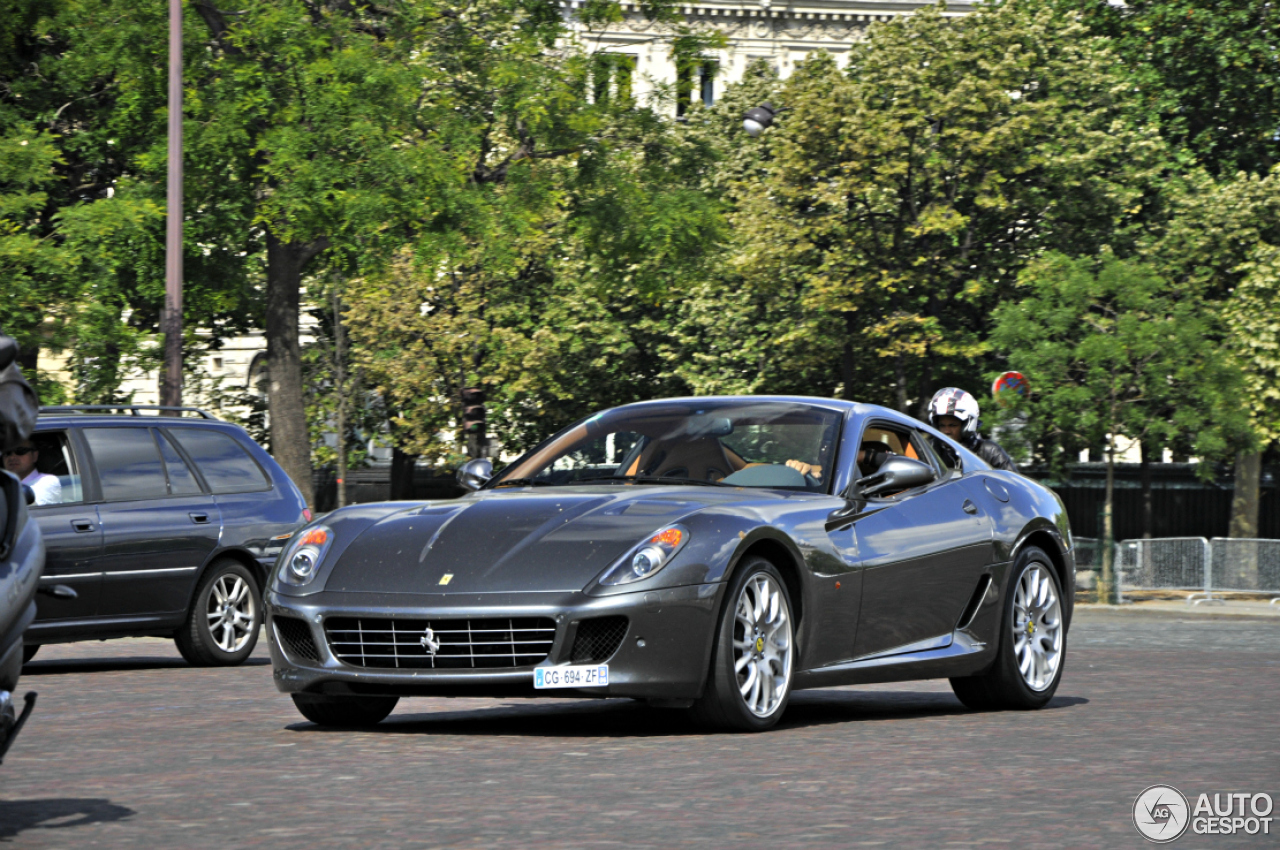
column 226, row 467
column 129, row 466
column 928, row 453
column 55, row 478
column 882, row 441
column 181, row 481
column 945, row 457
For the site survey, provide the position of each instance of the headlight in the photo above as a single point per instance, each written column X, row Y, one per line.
column 647, row 558
column 302, row 559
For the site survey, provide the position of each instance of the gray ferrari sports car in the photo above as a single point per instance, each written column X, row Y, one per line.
column 713, row 554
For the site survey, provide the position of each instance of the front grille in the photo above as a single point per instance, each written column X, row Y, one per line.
column 440, row 644
column 295, row 638
column 598, row 638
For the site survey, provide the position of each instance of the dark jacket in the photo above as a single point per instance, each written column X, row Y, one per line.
column 18, row 406
column 990, row 451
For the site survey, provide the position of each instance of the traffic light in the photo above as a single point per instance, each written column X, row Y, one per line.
column 473, row 411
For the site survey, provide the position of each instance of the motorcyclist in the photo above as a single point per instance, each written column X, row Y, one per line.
column 21, row 548
column 954, row 412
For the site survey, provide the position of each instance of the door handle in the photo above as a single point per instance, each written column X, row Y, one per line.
column 82, row 525
column 969, row 507
column 198, row 518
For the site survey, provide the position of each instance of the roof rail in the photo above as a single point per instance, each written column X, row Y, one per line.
column 131, row 409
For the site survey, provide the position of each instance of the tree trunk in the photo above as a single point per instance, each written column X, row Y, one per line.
column 900, row 381
column 1147, row 513
column 290, row 442
column 846, row 359
column 1244, row 504
column 28, row 361
column 340, row 385
column 1106, row 579
column 402, row 474
column 926, row 388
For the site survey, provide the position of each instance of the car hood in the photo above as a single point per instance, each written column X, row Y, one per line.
column 504, row 541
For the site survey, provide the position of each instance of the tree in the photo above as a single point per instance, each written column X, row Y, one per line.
column 1108, row 347
column 905, row 193
column 1220, row 242
column 1209, row 74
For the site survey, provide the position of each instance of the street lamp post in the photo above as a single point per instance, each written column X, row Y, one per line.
column 171, row 323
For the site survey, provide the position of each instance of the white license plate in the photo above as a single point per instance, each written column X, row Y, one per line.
column 576, row 676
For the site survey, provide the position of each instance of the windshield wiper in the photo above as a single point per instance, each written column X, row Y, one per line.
column 522, row 482
column 649, row 479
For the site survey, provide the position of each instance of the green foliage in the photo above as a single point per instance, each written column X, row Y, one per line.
column 1209, row 74
column 1109, row 347
column 905, row 193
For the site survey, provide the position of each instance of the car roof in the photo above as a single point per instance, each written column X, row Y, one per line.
column 836, row 404
column 140, row 416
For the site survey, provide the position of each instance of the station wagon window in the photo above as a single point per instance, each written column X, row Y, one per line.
column 225, row 465
column 129, row 465
column 181, row 481
column 56, row 458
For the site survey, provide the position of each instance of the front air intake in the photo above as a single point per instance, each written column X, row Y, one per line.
column 597, row 639
column 496, row 642
column 294, row 637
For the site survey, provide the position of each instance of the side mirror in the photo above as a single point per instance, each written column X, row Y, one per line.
column 895, row 474
column 474, row 473
column 28, row 494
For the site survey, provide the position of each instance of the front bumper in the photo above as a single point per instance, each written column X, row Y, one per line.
column 664, row 655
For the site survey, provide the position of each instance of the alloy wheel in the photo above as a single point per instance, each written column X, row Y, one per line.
column 231, row 612
column 1037, row 627
column 762, row 645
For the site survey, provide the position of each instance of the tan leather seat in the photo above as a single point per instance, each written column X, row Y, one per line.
column 702, row 459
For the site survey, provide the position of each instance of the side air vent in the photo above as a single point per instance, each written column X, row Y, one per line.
column 975, row 602
column 597, row 639
column 295, row 638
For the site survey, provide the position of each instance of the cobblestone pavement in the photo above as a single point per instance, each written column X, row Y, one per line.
column 131, row 748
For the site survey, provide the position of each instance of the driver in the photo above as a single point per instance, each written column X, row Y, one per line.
column 954, row 412
column 21, row 461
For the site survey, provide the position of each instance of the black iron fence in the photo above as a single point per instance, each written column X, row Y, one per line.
column 1182, row 504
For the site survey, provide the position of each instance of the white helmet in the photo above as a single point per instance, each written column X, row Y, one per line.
column 950, row 401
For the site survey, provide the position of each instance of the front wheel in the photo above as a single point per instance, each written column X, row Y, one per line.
column 1033, row 642
column 753, row 655
column 225, row 618
column 29, row 651
column 345, row 712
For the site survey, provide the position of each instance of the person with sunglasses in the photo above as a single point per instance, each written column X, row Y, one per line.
column 21, row 461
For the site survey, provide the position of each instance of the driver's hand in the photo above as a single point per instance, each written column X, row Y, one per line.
column 803, row 468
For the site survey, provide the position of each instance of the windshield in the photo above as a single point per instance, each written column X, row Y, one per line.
column 742, row 444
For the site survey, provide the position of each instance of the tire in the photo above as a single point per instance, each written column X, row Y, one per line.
column 344, row 712
column 1033, row 642
column 754, row 654
column 225, row 617
column 29, row 651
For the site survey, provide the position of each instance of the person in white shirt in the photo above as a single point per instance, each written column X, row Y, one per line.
column 21, row 461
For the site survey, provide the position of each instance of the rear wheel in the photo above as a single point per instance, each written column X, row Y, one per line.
column 225, row 618
column 29, row 651
column 347, row 712
column 1033, row 642
column 753, row 655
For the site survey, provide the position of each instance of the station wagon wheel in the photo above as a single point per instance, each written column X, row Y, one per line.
column 1033, row 641
column 224, row 619
column 754, row 653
